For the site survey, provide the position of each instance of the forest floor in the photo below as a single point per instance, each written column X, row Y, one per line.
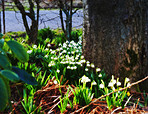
column 49, row 99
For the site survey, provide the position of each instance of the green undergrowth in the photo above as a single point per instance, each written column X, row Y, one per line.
column 54, row 57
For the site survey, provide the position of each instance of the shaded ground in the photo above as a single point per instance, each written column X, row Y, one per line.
column 48, row 98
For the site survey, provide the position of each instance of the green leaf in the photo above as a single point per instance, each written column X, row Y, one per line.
column 3, row 94
column 18, row 50
column 12, row 76
column 1, row 43
column 24, row 76
column 1, row 35
column 4, row 62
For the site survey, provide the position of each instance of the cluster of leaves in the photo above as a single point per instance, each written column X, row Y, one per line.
column 9, row 72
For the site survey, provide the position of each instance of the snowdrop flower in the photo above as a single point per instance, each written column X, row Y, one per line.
column 76, row 58
column 128, row 84
column 67, row 42
column 51, row 57
column 55, row 82
column 86, row 69
column 100, row 75
column 127, row 79
column 52, row 52
column 68, row 67
column 46, row 56
column 110, row 84
column 55, row 58
column 82, row 61
column 35, row 46
column 50, row 49
column 88, row 65
column 82, row 57
column 88, row 62
column 118, row 83
column 48, row 45
column 92, row 65
column 72, row 68
column 29, row 51
column 64, row 45
column 58, row 71
column 46, row 49
column 49, row 65
column 114, row 81
column 75, row 67
column 58, row 49
column 85, row 79
column 94, row 83
column 98, row 69
column 101, row 86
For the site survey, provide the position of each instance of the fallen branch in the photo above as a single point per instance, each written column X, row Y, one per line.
column 135, row 83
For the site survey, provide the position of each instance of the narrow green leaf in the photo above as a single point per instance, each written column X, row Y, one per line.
column 18, row 50
column 12, row 76
column 3, row 95
column 24, row 76
column 4, row 62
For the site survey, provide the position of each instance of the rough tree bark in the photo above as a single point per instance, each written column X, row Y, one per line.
column 114, row 37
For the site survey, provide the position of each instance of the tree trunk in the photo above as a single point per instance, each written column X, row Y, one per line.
column 3, row 7
column 114, row 37
column 32, row 31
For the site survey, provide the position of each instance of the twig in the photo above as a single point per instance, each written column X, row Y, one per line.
column 110, row 94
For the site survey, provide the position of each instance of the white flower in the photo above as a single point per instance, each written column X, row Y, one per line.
column 82, row 57
column 92, row 65
column 118, row 83
column 76, row 58
column 64, row 45
column 128, row 84
column 114, row 81
column 100, row 75
column 29, row 51
column 88, row 62
column 85, row 79
column 75, row 67
column 46, row 56
column 35, row 46
column 94, row 83
column 98, row 69
column 101, row 86
column 55, row 58
column 46, row 49
column 127, row 79
column 86, row 69
column 49, row 65
column 82, row 61
column 58, row 71
column 48, row 45
column 68, row 67
column 110, row 84
column 88, row 65
column 55, row 82
column 52, row 52
column 113, row 88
